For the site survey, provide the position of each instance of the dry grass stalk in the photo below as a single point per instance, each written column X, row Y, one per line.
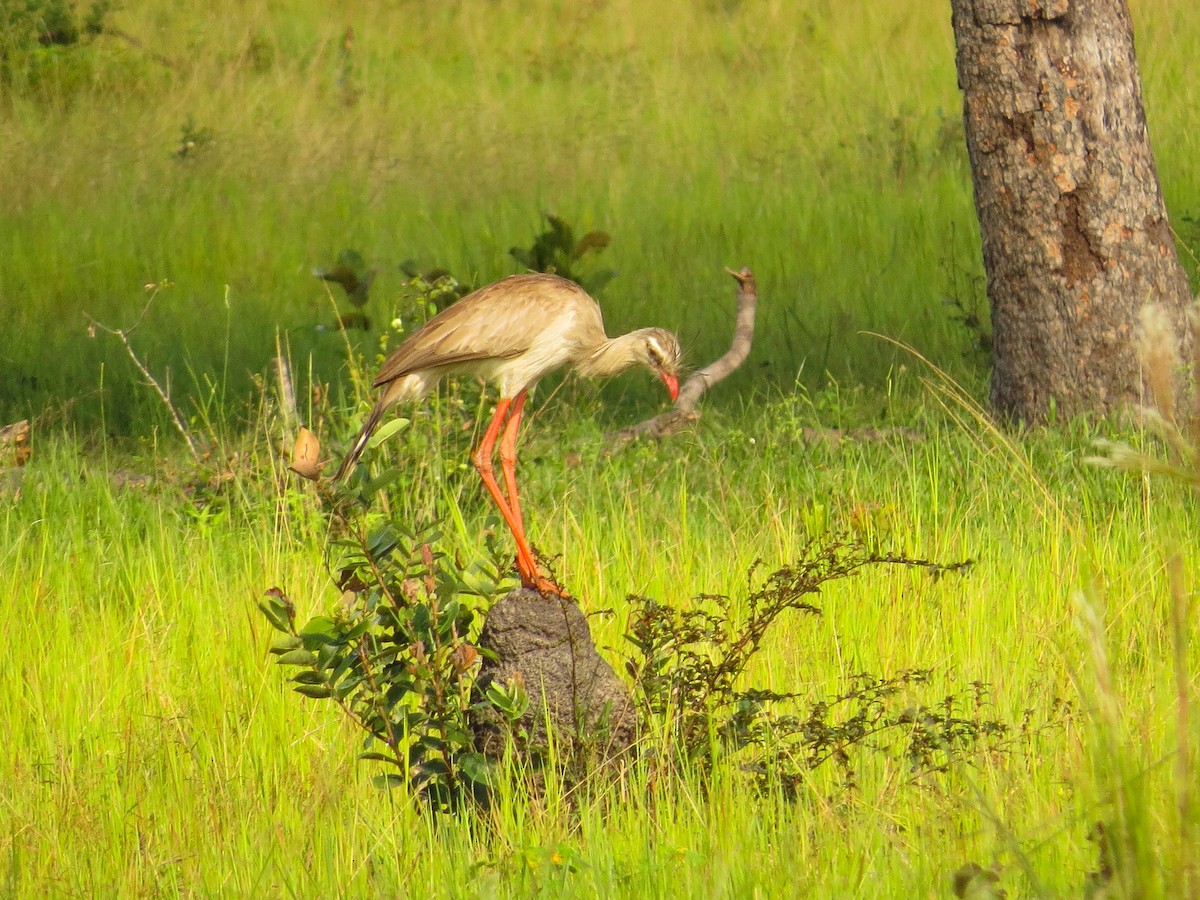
column 1172, row 415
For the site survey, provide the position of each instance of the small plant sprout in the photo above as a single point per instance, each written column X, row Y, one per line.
column 556, row 251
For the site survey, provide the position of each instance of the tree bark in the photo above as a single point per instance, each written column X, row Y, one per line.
column 1076, row 238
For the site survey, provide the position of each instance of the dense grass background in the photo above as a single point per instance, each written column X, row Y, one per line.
column 148, row 746
column 818, row 145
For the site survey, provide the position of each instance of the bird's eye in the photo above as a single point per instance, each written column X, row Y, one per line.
column 655, row 353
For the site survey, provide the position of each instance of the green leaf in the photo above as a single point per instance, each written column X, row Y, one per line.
column 416, row 755
column 382, row 541
column 387, row 430
column 315, row 691
column 286, row 642
column 357, row 631
column 448, row 617
column 386, row 656
column 456, row 734
column 330, row 655
column 351, row 259
column 277, row 616
column 388, row 781
column 429, row 742
column 597, row 280
column 564, row 234
column 380, row 481
column 375, row 756
column 511, row 700
column 397, row 691
column 342, row 668
column 321, row 627
column 298, row 657
column 434, row 767
column 346, row 686
column 308, row 676
column 421, row 622
column 592, row 242
column 473, row 584
column 477, row 768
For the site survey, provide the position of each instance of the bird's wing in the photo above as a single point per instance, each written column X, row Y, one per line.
column 499, row 321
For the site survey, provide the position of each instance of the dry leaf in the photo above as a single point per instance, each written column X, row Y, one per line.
column 463, row 657
column 306, row 455
column 17, row 437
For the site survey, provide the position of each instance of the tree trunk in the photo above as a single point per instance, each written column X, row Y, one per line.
column 1075, row 233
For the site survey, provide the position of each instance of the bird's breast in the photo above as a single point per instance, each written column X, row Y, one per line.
column 543, row 356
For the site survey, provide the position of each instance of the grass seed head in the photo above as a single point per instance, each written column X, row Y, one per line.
column 1159, row 351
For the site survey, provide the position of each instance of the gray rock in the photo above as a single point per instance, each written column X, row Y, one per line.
column 546, row 642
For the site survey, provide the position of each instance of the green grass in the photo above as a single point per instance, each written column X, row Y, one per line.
column 149, row 745
column 829, row 158
column 152, row 748
column 698, row 139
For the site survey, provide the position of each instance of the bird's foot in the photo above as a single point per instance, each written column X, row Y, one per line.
column 533, row 579
column 547, row 587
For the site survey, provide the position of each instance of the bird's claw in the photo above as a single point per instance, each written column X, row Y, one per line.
column 545, row 586
column 548, row 588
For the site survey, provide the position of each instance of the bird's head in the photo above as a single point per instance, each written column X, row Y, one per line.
column 663, row 354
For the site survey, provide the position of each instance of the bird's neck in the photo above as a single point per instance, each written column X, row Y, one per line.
column 614, row 355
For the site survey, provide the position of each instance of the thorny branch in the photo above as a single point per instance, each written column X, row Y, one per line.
column 684, row 411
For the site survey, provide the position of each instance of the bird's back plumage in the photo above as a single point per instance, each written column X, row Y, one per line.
column 499, row 322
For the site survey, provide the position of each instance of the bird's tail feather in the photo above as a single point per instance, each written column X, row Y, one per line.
column 360, row 442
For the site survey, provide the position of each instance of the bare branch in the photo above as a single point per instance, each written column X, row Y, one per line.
column 684, row 412
column 123, row 335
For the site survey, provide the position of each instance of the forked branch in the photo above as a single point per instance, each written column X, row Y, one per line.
column 684, row 411
column 123, row 335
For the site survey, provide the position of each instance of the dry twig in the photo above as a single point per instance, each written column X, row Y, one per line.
column 139, row 45
column 123, row 335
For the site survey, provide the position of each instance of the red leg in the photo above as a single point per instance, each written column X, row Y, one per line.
column 482, row 458
column 508, row 457
column 508, row 464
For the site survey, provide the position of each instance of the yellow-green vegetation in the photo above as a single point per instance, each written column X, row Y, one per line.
column 150, row 746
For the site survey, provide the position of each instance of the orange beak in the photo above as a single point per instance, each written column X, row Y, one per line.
column 672, row 384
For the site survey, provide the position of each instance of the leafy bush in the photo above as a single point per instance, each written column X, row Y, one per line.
column 691, row 661
column 396, row 652
column 398, row 655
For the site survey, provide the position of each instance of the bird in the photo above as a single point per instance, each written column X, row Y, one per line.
column 511, row 334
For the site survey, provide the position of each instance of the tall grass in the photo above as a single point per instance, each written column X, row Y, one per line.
column 152, row 748
column 820, row 146
column 767, row 134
